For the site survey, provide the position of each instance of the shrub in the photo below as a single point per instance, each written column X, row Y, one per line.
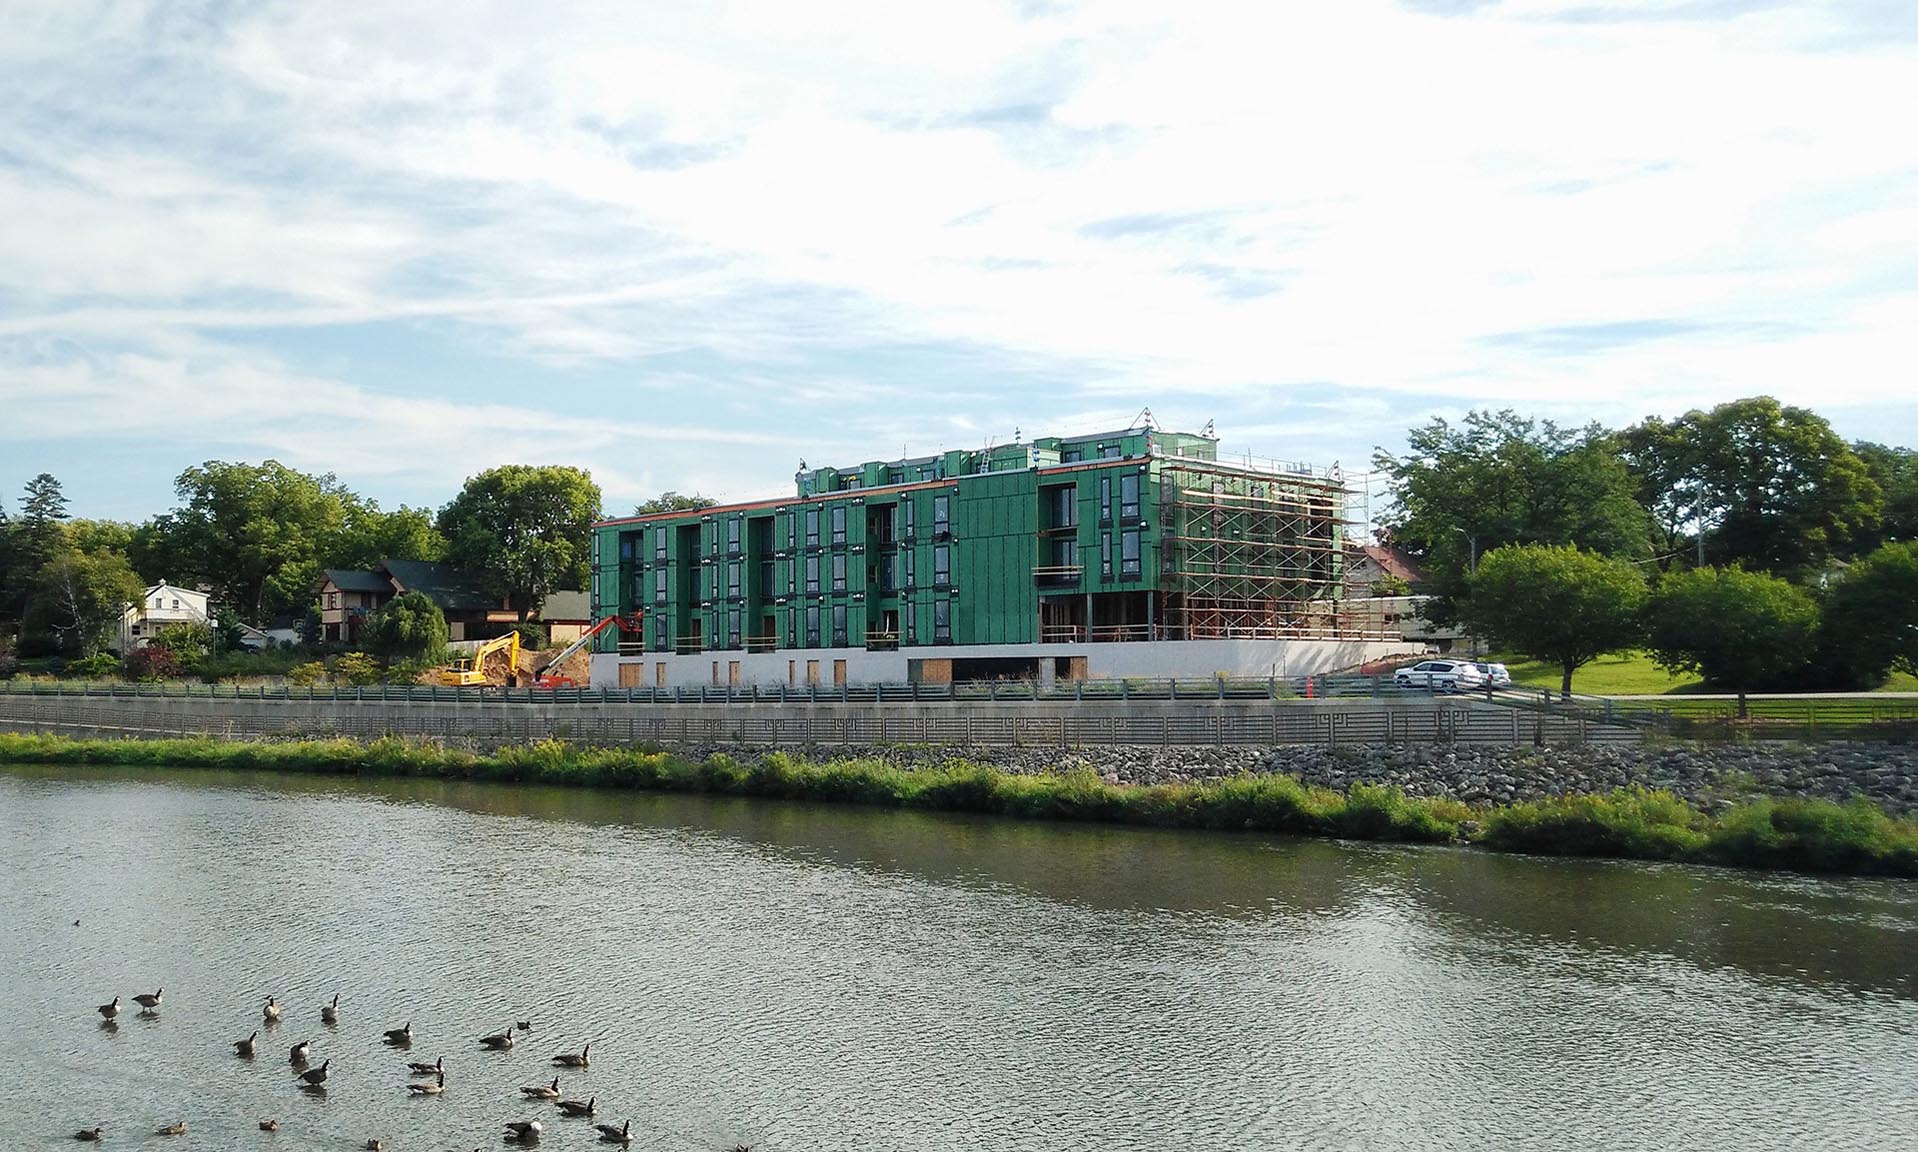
column 357, row 669
column 407, row 626
column 1737, row 629
column 1632, row 823
column 306, row 675
column 152, row 663
column 98, row 666
column 531, row 635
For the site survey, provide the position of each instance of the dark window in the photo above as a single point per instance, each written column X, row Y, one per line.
column 1129, row 556
column 1071, row 455
column 792, row 629
column 888, row 574
column 895, row 475
column 1062, row 510
column 839, row 572
column 659, row 542
column 905, row 518
column 732, row 578
column 941, row 515
column 732, row 534
column 906, row 618
column 941, row 565
column 838, row 625
column 626, row 548
column 659, row 586
column 732, row 628
column 767, row 587
column 1105, row 555
column 1129, row 496
column 812, row 575
column 812, row 527
column 839, row 524
column 942, row 621
column 851, row 482
column 1109, row 451
column 1062, row 551
column 1105, row 499
column 928, row 472
column 812, row 625
column 905, row 568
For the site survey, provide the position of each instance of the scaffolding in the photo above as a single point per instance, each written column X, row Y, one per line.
column 1249, row 554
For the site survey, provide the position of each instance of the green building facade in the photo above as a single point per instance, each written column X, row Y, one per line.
column 1134, row 535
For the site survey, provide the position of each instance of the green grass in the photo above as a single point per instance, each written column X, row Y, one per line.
column 1634, row 674
column 1809, row 835
column 1621, row 674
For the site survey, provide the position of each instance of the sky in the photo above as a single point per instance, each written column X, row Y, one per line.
column 688, row 246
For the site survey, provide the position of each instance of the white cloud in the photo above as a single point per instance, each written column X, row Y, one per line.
column 1231, row 207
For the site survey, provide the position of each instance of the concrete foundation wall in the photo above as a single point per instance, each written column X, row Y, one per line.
column 1163, row 659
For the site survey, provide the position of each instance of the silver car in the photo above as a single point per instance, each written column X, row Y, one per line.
column 1440, row 675
column 1497, row 675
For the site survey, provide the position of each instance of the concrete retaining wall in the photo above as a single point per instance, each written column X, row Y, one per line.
column 1006, row 723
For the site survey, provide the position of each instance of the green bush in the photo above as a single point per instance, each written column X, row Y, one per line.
column 306, row 675
column 357, row 669
column 153, row 663
column 531, row 635
column 99, row 666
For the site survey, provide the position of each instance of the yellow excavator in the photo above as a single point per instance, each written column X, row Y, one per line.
column 470, row 672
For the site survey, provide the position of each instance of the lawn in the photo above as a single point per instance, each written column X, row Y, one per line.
column 1634, row 674
column 1623, row 674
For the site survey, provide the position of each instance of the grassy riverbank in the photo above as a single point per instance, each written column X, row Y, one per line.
column 1808, row 835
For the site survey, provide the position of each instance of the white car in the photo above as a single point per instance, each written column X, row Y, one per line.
column 1440, row 675
column 1498, row 674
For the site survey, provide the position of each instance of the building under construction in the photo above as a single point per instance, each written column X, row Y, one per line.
column 1139, row 553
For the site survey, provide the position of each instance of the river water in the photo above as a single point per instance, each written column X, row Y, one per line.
column 799, row 977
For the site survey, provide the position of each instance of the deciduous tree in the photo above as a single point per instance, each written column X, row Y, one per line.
column 1556, row 604
column 1737, row 629
column 1871, row 616
column 407, row 626
column 525, row 530
column 671, row 501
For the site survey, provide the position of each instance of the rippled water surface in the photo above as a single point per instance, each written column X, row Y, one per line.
column 798, row 977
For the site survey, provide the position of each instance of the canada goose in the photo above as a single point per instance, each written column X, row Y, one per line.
column 574, row 1059
column 526, row 1130
column 578, row 1107
column 245, row 1047
column 272, row 1011
column 500, row 1040
column 620, row 1135
column 419, row 1069
column 90, row 1134
column 400, row 1035
column 316, row 1075
column 111, row 1010
column 330, row 1013
column 542, row 1091
column 150, row 1002
column 525, row 1025
column 177, row 1128
column 437, row 1086
column 269, row 1125
column 297, row 1054
column 375, row 1146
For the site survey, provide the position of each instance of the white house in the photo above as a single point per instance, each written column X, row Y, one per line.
column 162, row 605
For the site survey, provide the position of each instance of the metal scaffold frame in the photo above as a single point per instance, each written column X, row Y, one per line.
column 1249, row 554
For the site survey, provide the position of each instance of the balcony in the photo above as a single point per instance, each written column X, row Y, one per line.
column 880, row 640
column 1058, row 575
column 762, row 643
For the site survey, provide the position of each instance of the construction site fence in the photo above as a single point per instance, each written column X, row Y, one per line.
column 1859, row 716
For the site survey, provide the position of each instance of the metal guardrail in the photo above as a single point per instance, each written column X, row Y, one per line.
column 1211, row 688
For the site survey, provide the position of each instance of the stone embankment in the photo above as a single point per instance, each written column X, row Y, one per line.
column 1708, row 776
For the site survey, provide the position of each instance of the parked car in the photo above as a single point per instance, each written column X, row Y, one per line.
column 1440, row 675
column 1498, row 675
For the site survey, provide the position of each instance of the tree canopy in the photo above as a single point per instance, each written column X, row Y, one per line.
column 407, row 626
column 671, row 501
column 1497, row 479
column 1554, row 603
column 1737, row 629
column 1871, row 616
column 526, row 530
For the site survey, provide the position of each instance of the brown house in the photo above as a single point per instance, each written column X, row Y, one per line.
column 347, row 597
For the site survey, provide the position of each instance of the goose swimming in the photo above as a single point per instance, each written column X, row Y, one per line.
column 245, row 1047
column 620, row 1135
column 579, row 1059
column 542, row 1091
column 577, row 1107
column 433, row 1088
column 330, row 1013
